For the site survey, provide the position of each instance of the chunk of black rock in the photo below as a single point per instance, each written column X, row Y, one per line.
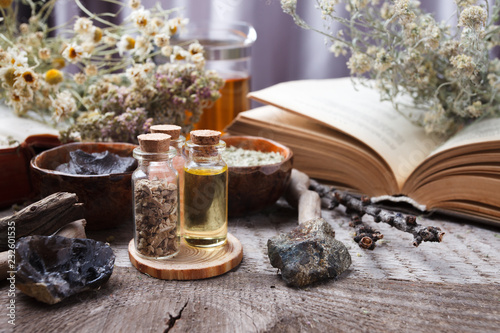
column 52, row 268
column 308, row 253
column 82, row 163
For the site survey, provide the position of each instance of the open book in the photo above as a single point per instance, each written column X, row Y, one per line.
column 351, row 138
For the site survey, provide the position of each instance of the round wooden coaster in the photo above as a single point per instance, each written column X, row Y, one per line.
column 191, row 263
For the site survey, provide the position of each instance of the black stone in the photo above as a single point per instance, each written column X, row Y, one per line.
column 82, row 163
column 51, row 268
column 309, row 253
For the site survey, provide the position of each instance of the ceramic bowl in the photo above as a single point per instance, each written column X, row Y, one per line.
column 252, row 189
column 107, row 198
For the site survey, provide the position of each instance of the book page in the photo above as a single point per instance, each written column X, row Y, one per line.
column 360, row 113
column 485, row 130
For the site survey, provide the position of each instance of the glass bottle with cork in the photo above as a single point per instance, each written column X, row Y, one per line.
column 177, row 141
column 155, row 188
column 205, row 190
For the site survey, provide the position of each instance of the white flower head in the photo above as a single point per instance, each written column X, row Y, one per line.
column 289, row 6
column 473, row 17
column 44, row 53
column 359, row 63
column 74, row 53
column 91, row 70
column 25, row 77
column 143, row 47
column 64, row 105
column 83, row 26
column 135, row 4
column 162, row 40
column 141, row 18
column 126, row 43
column 167, row 50
column 195, row 48
column 18, row 58
column 80, row 78
column 199, row 60
column 176, row 24
column 179, row 54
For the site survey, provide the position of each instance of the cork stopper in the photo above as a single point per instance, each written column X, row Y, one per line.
column 173, row 130
column 205, row 137
column 154, row 142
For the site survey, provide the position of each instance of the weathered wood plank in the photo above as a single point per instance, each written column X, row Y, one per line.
column 452, row 286
column 242, row 302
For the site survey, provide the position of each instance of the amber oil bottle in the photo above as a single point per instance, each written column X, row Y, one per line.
column 205, row 191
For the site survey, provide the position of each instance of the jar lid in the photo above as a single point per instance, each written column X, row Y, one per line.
column 173, row 130
column 205, row 137
column 154, row 142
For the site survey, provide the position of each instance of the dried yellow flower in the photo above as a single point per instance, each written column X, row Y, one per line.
column 53, row 77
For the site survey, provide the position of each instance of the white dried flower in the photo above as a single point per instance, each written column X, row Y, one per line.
column 464, row 63
column 135, row 4
column 74, row 53
column 199, row 60
column 383, row 61
column 80, row 78
column 176, row 24
column 44, row 53
column 141, row 18
column 402, row 9
column 24, row 28
column 474, row 110
column 25, row 77
column 327, row 6
column 126, row 43
column 143, row 47
column 359, row 63
column 289, row 6
column 83, row 26
column 195, row 48
column 338, row 48
column 179, row 54
column 162, row 40
column 167, row 51
column 473, row 17
column 91, row 70
column 64, row 105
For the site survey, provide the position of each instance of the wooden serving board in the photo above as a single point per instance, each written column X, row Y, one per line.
column 191, row 263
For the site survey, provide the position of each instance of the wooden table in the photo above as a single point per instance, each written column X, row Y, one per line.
column 453, row 286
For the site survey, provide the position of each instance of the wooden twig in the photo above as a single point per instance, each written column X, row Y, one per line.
column 406, row 223
column 43, row 217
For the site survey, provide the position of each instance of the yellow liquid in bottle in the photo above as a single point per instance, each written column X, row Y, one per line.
column 205, row 207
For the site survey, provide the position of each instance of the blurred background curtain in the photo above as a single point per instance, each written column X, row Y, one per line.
column 283, row 51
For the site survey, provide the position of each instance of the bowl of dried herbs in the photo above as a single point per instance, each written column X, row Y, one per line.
column 259, row 171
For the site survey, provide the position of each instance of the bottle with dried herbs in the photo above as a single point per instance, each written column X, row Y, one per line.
column 155, row 188
column 177, row 141
column 205, row 190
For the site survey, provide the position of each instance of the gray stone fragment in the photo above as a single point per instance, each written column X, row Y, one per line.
column 308, row 253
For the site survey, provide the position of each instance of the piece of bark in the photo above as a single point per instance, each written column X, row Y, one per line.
column 43, row 217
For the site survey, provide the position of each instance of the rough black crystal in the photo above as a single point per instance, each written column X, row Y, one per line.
column 308, row 253
column 82, row 163
column 51, row 268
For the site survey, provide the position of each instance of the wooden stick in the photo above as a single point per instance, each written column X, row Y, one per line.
column 298, row 195
column 43, row 217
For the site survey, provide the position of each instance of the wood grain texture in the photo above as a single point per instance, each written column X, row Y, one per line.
column 191, row 263
column 452, row 286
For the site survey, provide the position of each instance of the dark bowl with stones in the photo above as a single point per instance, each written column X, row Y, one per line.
column 253, row 188
column 107, row 195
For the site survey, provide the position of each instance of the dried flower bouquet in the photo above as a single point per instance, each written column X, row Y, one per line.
column 101, row 81
column 446, row 70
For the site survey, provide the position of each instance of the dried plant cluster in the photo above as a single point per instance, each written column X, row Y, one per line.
column 446, row 70
column 101, row 81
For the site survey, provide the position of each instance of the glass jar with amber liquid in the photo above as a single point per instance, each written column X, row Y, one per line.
column 205, row 191
column 227, row 50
